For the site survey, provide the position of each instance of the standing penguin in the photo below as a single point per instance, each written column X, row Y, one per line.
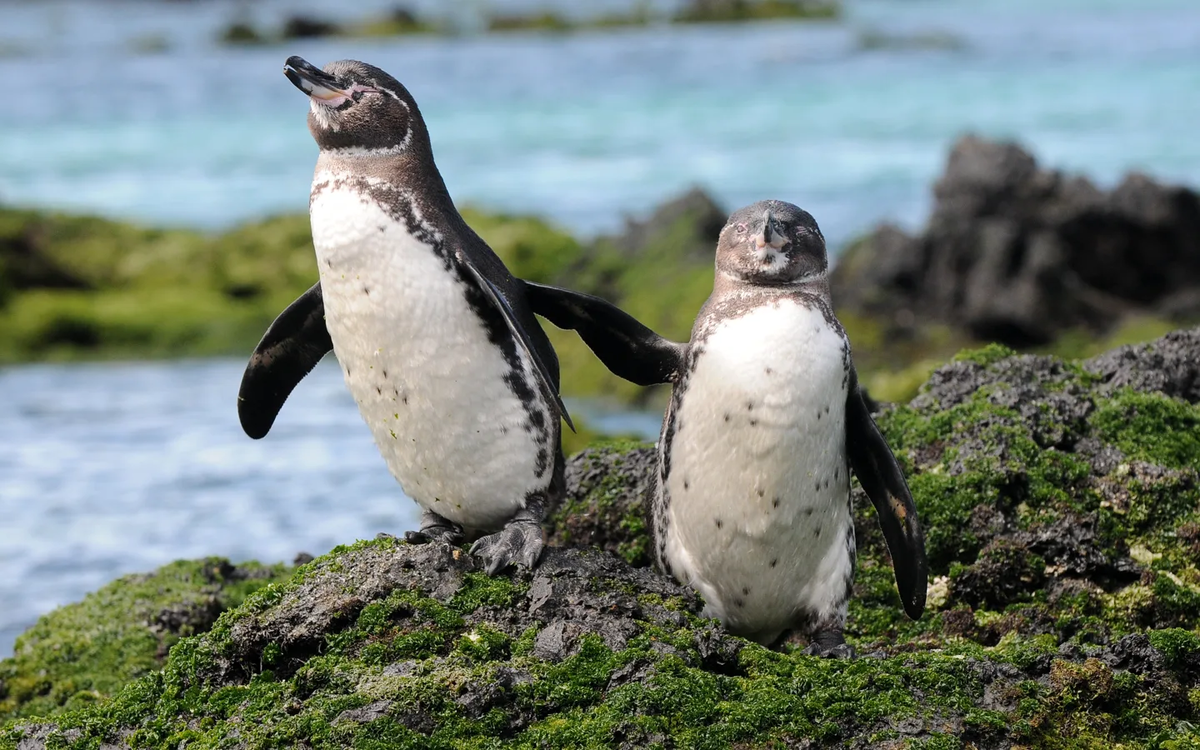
column 752, row 507
column 435, row 338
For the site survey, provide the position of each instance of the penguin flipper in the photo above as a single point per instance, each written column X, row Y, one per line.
column 289, row 350
column 879, row 474
column 496, row 297
column 625, row 346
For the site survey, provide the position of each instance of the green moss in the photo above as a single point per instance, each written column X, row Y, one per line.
column 1175, row 644
column 758, row 10
column 986, row 356
column 479, row 590
column 400, row 22
column 543, row 21
column 1151, row 427
column 241, row 33
column 1002, row 465
column 83, row 652
column 1083, row 343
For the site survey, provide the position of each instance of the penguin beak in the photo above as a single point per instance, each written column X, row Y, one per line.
column 319, row 85
column 770, row 235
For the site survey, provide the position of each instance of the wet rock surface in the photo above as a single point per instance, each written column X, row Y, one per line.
column 1062, row 510
column 1018, row 254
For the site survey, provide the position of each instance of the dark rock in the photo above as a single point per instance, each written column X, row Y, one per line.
column 575, row 593
column 1071, row 546
column 1018, row 254
column 364, row 714
column 307, row 27
column 1169, row 365
column 694, row 215
column 1004, row 573
column 25, row 264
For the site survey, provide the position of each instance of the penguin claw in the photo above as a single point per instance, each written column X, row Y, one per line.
column 840, row 651
column 449, row 534
column 515, row 544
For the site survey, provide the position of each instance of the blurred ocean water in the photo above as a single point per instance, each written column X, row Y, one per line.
column 844, row 118
column 111, row 469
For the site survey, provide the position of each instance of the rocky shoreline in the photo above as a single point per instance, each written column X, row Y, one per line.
column 1019, row 254
column 1062, row 507
column 402, row 21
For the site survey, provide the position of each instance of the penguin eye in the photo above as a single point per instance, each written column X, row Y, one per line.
column 357, row 91
column 741, row 228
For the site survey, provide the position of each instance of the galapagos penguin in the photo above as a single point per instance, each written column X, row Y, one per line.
column 766, row 420
column 436, row 340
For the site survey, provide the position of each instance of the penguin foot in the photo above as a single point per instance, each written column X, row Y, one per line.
column 434, row 528
column 520, row 542
column 829, row 643
column 448, row 535
column 840, row 651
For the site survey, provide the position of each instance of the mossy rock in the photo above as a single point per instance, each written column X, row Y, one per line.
column 608, row 491
column 732, row 11
column 1064, row 610
column 84, row 652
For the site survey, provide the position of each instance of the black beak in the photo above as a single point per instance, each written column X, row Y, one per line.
column 312, row 80
column 771, row 233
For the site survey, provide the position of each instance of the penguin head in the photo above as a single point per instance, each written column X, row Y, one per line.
column 772, row 242
column 357, row 107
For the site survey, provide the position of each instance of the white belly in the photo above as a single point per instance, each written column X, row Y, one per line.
column 758, row 481
column 417, row 360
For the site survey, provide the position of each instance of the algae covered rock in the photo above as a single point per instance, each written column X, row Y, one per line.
column 608, row 491
column 384, row 644
column 85, row 652
column 1062, row 508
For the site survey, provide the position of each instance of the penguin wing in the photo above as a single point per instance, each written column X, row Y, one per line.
column 626, row 347
column 289, row 350
column 500, row 302
column 879, row 474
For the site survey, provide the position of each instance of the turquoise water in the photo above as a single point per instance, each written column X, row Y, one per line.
column 588, row 128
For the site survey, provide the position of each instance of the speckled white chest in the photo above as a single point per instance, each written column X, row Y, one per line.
column 417, row 360
column 758, row 481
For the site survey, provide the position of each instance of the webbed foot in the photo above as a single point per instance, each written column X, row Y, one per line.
column 435, row 528
column 830, row 644
column 520, row 542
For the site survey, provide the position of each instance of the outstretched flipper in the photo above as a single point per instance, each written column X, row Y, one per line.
column 289, row 350
column 879, row 474
column 626, row 347
column 496, row 297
